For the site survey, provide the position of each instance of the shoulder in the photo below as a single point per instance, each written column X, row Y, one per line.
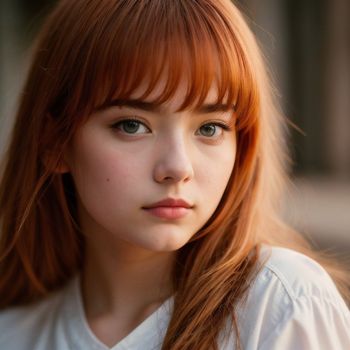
column 30, row 326
column 298, row 275
column 287, row 276
column 293, row 304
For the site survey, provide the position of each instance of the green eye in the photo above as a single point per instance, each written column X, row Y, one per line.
column 131, row 126
column 212, row 130
column 208, row 130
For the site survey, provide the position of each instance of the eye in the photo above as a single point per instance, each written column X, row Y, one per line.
column 212, row 130
column 131, row 126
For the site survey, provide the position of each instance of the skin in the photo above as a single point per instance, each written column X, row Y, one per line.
column 119, row 168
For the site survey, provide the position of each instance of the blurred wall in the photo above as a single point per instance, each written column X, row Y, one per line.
column 19, row 22
column 307, row 47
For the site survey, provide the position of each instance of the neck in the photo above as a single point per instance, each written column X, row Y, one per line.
column 123, row 279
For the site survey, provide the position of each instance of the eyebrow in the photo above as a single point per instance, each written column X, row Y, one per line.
column 153, row 107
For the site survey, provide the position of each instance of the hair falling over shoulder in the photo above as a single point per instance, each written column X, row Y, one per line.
column 90, row 51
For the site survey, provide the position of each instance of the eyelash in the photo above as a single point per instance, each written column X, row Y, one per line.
column 117, row 125
column 221, row 125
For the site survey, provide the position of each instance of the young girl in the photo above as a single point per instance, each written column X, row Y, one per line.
column 139, row 199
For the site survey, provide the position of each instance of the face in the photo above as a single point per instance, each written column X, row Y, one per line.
column 150, row 176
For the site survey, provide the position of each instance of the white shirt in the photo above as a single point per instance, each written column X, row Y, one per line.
column 292, row 305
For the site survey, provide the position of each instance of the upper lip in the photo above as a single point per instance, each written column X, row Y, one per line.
column 169, row 202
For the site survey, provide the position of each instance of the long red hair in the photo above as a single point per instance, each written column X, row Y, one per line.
column 90, row 51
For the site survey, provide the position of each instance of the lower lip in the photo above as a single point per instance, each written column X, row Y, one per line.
column 169, row 212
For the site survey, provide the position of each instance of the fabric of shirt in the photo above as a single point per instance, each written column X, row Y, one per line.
column 292, row 305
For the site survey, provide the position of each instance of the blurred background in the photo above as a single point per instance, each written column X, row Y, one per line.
column 307, row 46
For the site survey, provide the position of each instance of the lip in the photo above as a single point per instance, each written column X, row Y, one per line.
column 169, row 208
column 170, row 202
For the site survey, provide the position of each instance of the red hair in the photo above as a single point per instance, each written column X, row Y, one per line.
column 91, row 51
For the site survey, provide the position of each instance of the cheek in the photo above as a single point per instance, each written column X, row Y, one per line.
column 215, row 176
column 216, row 170
column 214, row 181
column 102, row 176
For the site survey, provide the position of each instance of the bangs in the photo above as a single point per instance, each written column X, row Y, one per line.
column 138, row 42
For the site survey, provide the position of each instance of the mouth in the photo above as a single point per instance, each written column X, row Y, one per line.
column 169, row 208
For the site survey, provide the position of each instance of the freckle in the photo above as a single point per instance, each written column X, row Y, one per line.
column 107, row 180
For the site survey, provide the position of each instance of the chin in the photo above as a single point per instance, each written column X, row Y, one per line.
column 166, row 242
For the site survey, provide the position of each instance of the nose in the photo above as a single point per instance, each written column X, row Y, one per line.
column 173, row 164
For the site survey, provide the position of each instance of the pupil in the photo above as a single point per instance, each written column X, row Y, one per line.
column 130, row 126
column 208, row 130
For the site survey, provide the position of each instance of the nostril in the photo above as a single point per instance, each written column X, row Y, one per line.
column 173, row 165
column 172, row 174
